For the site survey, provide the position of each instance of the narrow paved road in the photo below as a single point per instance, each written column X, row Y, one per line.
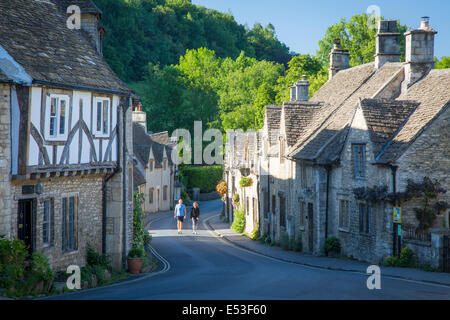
column 205, row 267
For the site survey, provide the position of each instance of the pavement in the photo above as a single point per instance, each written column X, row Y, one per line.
column 207, row 266
column 224, row 231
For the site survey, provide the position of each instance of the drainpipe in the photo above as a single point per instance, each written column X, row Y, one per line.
column 125, row 106
column 328, row 168
column 268, row 198
column 394, row 225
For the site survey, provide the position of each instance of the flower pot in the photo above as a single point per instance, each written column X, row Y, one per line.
column 134, row 265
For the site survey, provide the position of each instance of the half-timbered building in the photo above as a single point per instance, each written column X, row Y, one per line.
column 66, row 165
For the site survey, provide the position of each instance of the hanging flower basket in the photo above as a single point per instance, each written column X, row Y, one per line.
column 221, row 188
column 246, row 182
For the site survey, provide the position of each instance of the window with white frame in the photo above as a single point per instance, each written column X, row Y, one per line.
column 101, row 121
column 57, row 116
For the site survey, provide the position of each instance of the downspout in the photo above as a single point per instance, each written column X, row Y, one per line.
column 124, row 182
column 328, row 168
column 268, row 197
column 394, row 190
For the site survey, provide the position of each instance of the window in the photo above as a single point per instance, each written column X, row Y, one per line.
column 274, row 204
column 150, row 165
column 282, row 211
column 57, row 117
column 359, row 160
column 48, row 223
column 101, row 116
column 344, row 214
column 150, row 195
column 247, row 208
column 266, row 204
column 165, row 193
column 165, row 164
column 69, row 224
column 304, row 176
column 364, row 212
column 302, row 213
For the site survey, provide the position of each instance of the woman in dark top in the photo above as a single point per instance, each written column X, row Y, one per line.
column 195, row 214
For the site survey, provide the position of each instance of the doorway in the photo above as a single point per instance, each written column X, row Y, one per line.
column 25, row 222
column 311, row 227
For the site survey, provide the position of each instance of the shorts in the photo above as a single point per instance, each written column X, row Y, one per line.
column 180, row 218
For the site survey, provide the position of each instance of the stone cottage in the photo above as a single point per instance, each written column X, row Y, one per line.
column 66, row 171
column 153, row 154
column 370, row 127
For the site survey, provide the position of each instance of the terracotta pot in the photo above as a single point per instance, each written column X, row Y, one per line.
column 134, row 265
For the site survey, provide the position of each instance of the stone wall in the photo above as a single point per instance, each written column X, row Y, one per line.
column 88, row 190
column 428, row 156
column 5, row 161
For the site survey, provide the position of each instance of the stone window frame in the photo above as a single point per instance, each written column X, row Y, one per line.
column 341, row 199
column 361, row 173
column 48, row 241
column 283, row 209
column 364, row 222
column 66, row 218
column 151, row 195
column 164, row 193
column 302, row 210
column 150, row 165
column 58, row 136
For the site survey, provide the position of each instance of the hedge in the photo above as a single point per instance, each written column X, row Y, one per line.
column 204, row 177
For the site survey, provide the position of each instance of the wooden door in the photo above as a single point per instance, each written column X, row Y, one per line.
column 311, row 227
column 25, row 223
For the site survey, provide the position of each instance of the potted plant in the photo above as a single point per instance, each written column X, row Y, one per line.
column 134, row 260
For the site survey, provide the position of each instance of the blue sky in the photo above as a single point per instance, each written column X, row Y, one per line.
column 301, row 24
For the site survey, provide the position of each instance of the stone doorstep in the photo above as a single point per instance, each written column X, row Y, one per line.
column 345, row 265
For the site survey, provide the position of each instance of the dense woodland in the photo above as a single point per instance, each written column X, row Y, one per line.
column 190, row 63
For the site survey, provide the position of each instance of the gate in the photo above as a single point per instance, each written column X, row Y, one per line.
column 446, row 254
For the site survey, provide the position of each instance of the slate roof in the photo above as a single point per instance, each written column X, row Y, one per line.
column 298, row 116
column 272, row 121
column 35, row 34
column 343, row 92
column 384, row 118
column 433, row 94
column 143, row 143
column 138, row 177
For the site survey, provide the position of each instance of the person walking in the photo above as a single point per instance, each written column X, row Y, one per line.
column 180, row 214
column 195, row 214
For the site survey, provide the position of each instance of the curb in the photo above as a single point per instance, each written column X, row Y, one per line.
column 429, row 282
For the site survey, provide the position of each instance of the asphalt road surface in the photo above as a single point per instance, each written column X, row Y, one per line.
column 204, row 266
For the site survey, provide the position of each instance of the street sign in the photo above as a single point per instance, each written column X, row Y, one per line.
column 397, row 215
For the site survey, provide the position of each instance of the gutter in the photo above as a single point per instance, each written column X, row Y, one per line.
column 81, row 87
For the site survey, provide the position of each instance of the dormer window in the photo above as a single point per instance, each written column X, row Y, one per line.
column 102, row 108
column 57, row 112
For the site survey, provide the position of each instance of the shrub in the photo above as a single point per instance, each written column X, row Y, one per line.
column 141, row 236
column 285, row 242
column 238, row 224
column 255, row 233
column 235, row 200
column 407, row 258
column 204, row 177
column 332, row 244
column 297, row 244
column 136, row 252
column 185, row 197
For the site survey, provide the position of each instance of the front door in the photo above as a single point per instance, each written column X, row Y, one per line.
column 25, row 222
column 311, row 227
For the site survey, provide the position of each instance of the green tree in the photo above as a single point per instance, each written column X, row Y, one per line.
column 358, row 37
column 444, row 63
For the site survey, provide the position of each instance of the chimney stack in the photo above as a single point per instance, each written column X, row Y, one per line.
column 419, row 53
column 300, row 90
column 140, row 116
column 387, row 43
column 339, row 59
